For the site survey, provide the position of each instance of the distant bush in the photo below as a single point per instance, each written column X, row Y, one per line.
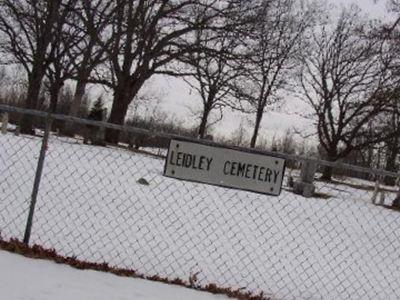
column 158, row 123
column 13, row 93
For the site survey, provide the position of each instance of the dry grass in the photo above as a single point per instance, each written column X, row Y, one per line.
column 38, row 252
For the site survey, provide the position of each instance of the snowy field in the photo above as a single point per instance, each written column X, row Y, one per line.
column 24, row 278
column 90, row 206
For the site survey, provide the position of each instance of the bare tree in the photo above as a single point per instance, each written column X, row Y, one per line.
column 393, row 119
column 62, row 65
column 342, row 77
column 273, row 44
column 391, row 124
column 213, row 71
column 29, row 28
column 394, row 7
column 91, row 20
column 3, row 75
column 144, row 37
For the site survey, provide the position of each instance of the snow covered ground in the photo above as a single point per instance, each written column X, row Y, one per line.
column 9, row 126
column 33, row 279
column 91, row 206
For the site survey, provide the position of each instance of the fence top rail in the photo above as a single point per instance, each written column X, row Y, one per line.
column 135, row 130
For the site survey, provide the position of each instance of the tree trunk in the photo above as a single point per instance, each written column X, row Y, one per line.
column 76, row 105
column 32, row 99
column 204, row 122
column 83, row 76
column 78, row 96
column 327, row 173
column 39, row 60
column 117, row 116
column 122, row 98
column 391, row 166
column 125, row 92
column 256, row 128
column 54, row 94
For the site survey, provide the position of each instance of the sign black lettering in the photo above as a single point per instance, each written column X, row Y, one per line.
column 225, row 167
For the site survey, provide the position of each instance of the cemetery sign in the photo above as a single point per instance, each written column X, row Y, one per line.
column 225, row 167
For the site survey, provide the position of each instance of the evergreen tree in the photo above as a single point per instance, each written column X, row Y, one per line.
column 98, row 111
column 94, row 133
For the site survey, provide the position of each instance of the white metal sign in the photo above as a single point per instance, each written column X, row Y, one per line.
column 225, row 167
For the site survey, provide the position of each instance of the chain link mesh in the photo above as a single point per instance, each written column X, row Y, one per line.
column 18, row 161
column 92, row 205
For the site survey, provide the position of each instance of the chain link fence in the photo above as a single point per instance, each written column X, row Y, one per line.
column 112, row 204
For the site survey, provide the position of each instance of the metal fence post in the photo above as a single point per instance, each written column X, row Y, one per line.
column 4, row 123
column 38, row 177
column 376, row 192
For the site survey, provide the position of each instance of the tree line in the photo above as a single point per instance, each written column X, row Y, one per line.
column 246, row 55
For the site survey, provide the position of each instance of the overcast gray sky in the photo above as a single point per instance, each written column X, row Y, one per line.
column 377, row 10
column 178, row 98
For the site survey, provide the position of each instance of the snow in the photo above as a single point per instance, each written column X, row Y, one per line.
column 25, row 278
column 155, row 151
column 90, row 206
column 9, row 126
